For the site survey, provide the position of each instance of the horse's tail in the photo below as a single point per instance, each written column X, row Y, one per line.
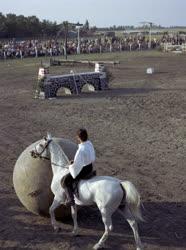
column 132, row 199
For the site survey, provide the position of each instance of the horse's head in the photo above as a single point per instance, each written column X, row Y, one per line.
column 41, row 149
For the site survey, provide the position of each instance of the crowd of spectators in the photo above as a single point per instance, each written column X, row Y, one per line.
column 38, row 48
column 28, row 48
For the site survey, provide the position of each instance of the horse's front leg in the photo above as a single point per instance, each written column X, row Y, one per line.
column 107, row 220
column 56, row 225
column 74, row 217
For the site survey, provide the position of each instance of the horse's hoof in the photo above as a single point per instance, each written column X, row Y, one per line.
column 75, row 232
column 97, row 246
column 57, row 229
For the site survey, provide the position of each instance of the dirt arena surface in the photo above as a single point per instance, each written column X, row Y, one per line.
column 138, row 128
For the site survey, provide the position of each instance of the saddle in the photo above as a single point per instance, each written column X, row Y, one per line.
column 90, row 175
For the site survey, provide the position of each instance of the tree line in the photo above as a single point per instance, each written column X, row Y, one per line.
column 12, row 25
column 19, row 26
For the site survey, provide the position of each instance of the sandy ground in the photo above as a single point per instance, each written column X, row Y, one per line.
column 138, row 128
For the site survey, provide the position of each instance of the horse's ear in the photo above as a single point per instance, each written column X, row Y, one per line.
column 49, row 136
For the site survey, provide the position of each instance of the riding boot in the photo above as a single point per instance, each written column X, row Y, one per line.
column 70, row 197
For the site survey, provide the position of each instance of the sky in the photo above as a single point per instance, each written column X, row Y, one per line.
column 101, row 13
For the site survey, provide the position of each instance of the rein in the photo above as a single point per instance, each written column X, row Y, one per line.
column 39, row 155
column 53, row 163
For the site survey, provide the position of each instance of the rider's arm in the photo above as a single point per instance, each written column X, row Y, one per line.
column 77, row 164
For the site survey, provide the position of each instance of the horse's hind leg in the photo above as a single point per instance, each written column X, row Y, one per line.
column 107, row 220
column 133, row 224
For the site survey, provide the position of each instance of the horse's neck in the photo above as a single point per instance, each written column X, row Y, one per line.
column 58, row 158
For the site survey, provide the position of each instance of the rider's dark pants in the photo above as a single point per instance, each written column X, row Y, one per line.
column 83, row 173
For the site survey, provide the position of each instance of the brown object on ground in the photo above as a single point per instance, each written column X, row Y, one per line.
column 32, row 178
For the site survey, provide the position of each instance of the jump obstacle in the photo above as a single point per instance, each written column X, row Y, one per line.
column 48, row 85
column 58, row 62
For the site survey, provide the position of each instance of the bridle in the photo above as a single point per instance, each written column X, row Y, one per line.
column 35, row 154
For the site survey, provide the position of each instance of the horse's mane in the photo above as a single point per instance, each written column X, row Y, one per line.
column 58, row 156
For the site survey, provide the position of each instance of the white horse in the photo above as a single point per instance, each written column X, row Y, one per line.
column 108, row 193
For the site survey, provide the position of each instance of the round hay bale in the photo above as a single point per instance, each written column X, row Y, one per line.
column 32, row 178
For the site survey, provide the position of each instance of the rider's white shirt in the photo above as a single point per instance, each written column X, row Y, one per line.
column 83, row 157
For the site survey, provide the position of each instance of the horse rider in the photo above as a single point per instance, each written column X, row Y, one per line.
column 81, row 166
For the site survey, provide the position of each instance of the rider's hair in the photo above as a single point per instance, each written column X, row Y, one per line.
column 82, row 134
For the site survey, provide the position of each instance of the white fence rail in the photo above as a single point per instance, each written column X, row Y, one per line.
column 174, row 48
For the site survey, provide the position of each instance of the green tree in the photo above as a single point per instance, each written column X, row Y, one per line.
column 33, row 26
column 11, row 25
column 21, row 26
column 3, row 27
column 86, row 25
